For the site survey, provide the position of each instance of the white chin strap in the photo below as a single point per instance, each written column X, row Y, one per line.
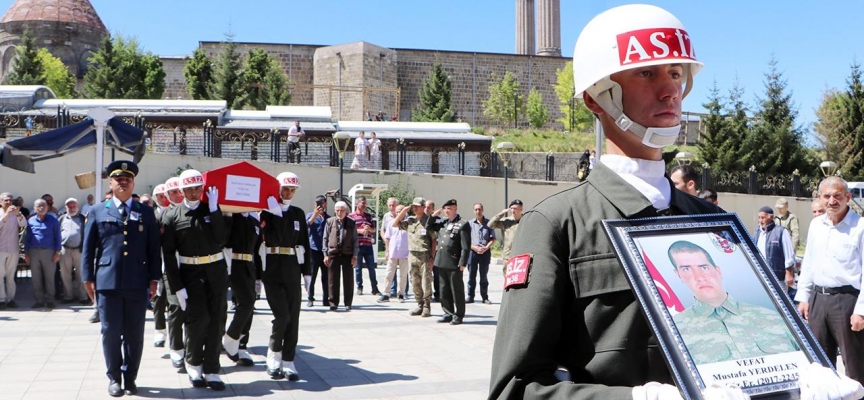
column 607, row 94
column 192, row 204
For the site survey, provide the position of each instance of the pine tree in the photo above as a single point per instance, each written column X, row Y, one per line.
column 738, row 127
column 714, row 129
column 121, row 70
column 851, row 128
column 582, row 118
column 276, row 86
column 199, row 75
column 828, row 124
column 228, row 83
column 57, row 75
column 436, row 103
column 264, row 82
column 27, row 69
column 504, row 105
column 538, row 115
column 102, row 78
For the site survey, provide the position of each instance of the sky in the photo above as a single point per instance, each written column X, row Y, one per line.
column 814, row 43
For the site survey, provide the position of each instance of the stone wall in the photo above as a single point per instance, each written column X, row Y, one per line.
column 406, row 69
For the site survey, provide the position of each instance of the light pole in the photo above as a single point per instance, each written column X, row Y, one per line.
column 341, row 140
column 684, row 157
column 505, row 150
column 828, row 168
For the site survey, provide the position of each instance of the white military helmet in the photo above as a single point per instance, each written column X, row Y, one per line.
column 172, row 183
column 627, row 37
column 160, row 189
column 191, row 178
column 288, row 179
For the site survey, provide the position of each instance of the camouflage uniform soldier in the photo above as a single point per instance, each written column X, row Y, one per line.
column 508, row 226
column 421, row 244
column 718, row 328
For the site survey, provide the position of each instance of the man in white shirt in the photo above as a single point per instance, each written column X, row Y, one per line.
column 397, row 257
column 361, row 151
column 374, row 151
column 294, row 134
column 829, row 289
column 11, row 222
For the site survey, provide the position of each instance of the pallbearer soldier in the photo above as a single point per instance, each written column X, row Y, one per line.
column 243, row 242
column 121, row 259
column 197, row 232
column 160, row 303
column 286, row 239
column 421, row 244
column 175, row 316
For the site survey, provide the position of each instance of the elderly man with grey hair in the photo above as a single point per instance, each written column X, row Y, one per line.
column 42, row 245
column 11, row 222
column 72, row 237
column 340, row 254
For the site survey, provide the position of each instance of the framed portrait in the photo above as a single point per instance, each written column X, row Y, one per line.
column 718, row 312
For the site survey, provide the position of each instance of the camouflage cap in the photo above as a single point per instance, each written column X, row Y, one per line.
column 418, row 201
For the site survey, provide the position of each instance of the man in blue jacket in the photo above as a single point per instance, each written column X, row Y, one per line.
column 121, row 264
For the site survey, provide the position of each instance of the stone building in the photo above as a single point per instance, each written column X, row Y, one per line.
column 70, row 29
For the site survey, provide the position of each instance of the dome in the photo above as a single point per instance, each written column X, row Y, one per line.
column 69, row 11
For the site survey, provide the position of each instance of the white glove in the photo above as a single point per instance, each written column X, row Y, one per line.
column 656, row 391
column 820, row 383
column 213, row 198
column 159, row 287
column 307, row 281
column 258, row 286
column 273, row 206
column 181, row 298
column 719, row 392
column 301, row 254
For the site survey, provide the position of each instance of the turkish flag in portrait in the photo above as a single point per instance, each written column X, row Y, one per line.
column 669, row 298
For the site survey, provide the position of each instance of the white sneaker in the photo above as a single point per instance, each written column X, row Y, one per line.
column 290, row 371
column 231, row 345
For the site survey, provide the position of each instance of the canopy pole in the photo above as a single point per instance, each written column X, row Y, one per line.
column 100, row 116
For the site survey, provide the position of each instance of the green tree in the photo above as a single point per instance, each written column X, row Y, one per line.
column 582, row 118
column 121, row 70
column 738, row 125
column 436, row 104
column 538, row 115
column 504, row 105
column 199, row 75
column 775, row 144
column 714, row 130
column 57, row 75
column 850, row 132
column 263, row 81
column 228, row 83
column 27, row 69
column 828, row 123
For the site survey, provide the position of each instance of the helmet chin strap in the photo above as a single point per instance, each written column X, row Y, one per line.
column 607, row 94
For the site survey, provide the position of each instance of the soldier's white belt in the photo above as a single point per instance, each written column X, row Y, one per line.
column 241, row 256
column 289, row 251
column 202, row 260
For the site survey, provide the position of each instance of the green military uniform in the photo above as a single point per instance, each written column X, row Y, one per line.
column 420, row 247
column 286, row 239
column 732, row 331
column 577, row 309
column 790, row 222
column 454, row 247
column 193, row 234
column 508, row 227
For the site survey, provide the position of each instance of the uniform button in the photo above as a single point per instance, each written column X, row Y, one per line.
column 125, row 223
column 125, row 253
column 124, row 243
column 124, row 233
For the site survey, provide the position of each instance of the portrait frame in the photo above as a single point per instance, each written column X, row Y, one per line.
column 643, row 247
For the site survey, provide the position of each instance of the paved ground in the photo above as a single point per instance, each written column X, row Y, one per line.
column 376, row 351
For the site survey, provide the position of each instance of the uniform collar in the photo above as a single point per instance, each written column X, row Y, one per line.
column 117, row 202
column 626, row 198
column 847, row 220
column 730, row 305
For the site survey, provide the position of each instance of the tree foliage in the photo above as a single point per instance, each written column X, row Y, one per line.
column 504, row 105
column 27, row 69
column 775, row 144
column 228, row 84
column 828, row 123
column 738, row 127
column 850, row 129
column 538, row 114
column 199, row 75
column 582, row 118
column 120, row 69
column 714, row 129
column 57, row 75
column 263, row 82
column 436, row 104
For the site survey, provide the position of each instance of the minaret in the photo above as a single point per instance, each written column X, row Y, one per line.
column 525, row 27
column 549, row 28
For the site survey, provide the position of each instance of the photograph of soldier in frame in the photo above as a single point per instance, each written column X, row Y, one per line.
column 716, row 312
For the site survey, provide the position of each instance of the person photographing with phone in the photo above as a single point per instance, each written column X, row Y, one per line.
column 316, row 220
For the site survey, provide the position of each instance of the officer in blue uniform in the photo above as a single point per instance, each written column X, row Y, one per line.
column 121, row 257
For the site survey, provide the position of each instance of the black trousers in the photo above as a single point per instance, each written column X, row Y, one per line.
column 284, row 300
column 318, row 264
column 452, row 292
column 294, row 152
column 122, row 313
column 340, row 266
column 243, row 289
column 175, row 317
column 829, row 320
column 436, row 284
column 479, row 263
column 160, row 304
column 205, row 321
